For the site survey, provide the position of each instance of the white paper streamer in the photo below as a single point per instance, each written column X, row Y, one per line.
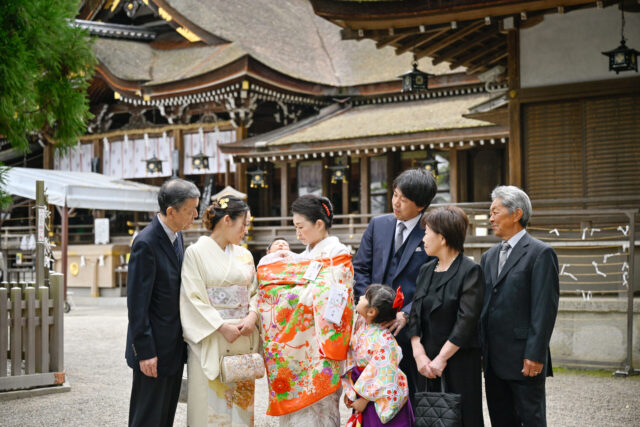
column 595, row 265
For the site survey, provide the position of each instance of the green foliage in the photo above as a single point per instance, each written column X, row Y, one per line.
column 5, row 198
column 45, row 70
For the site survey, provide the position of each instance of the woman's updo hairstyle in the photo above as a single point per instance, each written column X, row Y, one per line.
column 314, row 208
column 228, row 205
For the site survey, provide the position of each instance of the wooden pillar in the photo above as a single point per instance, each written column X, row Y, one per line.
column 345, row 189
column 364, row 185
column 178, row 144
column 326, row 177
column 284, row 191
column 47, row 156
column 240, row 181
column 227, row 172
column 65, row 245
column 453, row 175
column 515, row 134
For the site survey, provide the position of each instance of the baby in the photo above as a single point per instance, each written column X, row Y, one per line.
column 278, row 250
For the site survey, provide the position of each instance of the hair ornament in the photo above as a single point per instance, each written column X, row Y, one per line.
column 399, row 300
column 223, row 203
column 326, row 209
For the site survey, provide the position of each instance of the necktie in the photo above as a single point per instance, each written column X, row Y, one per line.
column 176, row 248
column 504, row 250
column 399, row 235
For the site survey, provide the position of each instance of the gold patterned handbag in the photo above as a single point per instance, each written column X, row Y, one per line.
column 241, row 367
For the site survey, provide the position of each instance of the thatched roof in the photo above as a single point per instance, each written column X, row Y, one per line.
column 336, row 125
column 131, row 60
column 284, row 35
column 389, row 119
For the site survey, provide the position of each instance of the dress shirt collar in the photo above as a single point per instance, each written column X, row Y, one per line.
column 170, row 233
column 513, row 241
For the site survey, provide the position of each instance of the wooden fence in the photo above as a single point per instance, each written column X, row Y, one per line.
column 31, row 335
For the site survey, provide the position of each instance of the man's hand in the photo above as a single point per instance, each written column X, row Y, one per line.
column 531, row 368
column 149, row 367
column 360, row 404
column 230, row 332
column 396, row 325
column 248, row 324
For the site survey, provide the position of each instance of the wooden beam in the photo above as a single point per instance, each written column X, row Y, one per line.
column 390, row 40
column 450, row 39
column 411, row 14
column 476, row 54
column 284, row 190
column 453, row 175
column 421, row 41
column 496, row 57
column 348, row 33
column 364, row 185
column 455, row 51
column 515, row 132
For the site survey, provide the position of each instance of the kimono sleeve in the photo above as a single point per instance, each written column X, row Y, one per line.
column 199, row 319
column 382, row 381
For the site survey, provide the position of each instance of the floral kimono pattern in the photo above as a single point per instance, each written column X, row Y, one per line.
column 302, row 349
column 375, row 351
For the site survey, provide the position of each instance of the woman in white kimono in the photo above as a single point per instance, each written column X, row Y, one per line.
column 312, row 218
column 219, row 316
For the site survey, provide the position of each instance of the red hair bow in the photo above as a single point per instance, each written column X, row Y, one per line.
column 399, row 300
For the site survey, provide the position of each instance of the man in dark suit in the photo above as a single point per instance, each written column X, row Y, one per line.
column 518, row 314
column 155, row 349
column 391, row 252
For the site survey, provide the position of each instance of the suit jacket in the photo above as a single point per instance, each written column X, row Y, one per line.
column 372, row 258
column 457, row 303
column 153, row 301
column 520, row 307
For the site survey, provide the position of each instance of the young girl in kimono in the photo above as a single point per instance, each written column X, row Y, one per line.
column 375, row 387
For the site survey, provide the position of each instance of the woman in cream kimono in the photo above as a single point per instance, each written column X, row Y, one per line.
column 219, row 316
column 312, row 218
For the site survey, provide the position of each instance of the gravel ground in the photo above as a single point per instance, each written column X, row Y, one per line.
column 100, row 385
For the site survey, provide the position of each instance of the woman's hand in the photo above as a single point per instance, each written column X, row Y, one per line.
column 229, row 332
column 423, row 362
column 347, row 402
column 248, row 324
column 360, row 404
column 437, row 365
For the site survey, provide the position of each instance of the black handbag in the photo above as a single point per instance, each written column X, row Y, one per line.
column 438, row 409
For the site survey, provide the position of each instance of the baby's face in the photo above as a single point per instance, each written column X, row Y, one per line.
column 279, row 245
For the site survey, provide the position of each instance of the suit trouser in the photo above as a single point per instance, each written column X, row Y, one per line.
column 154, row 400
column 515, row 402
column 408, row 363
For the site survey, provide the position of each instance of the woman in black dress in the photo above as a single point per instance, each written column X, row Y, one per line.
column 443, row 324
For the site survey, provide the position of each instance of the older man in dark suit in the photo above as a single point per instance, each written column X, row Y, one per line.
column 391, row 252
column 155, row 349
column 518, row 315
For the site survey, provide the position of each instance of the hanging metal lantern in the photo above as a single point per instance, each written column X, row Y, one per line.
column 622, row 58
column 338, row 173
column 154, row 165
column 258, row 179
column 415, row 80
column 200, row 161
column 430, row 164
